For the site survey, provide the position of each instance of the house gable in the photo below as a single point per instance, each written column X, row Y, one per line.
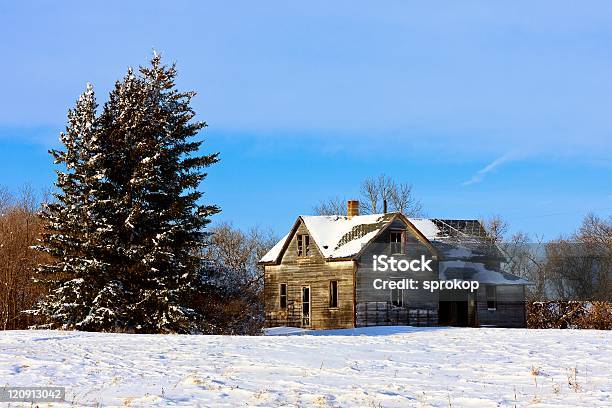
column 289, row 253
column 398, row 222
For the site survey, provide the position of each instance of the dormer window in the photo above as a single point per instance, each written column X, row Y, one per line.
column 303, row 245
column 396, row 239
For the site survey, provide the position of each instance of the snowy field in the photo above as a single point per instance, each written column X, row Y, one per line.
column 376, row 367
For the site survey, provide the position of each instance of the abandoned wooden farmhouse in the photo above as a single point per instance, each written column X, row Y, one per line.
column 320, row 274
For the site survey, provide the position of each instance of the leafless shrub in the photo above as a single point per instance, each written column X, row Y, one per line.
column 572, row 380
column 572, row 314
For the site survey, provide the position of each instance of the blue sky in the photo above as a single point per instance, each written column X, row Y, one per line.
column 486, row 107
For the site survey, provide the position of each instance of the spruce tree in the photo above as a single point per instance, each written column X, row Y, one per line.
column 70, row 276
column 128, row 225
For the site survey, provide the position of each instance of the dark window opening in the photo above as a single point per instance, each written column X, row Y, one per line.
column 492, row 297
column 333, row 294
column 305, row 306
column 303, row 245
column 396, row 238
column 397, row 297
column 283, row 295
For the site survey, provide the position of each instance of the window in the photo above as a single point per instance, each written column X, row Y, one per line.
column 491, row 297
column 303, row 245
column 396, row 239
column 306, row 306
column 333, row 294
column 283, row 295
column 397, row 295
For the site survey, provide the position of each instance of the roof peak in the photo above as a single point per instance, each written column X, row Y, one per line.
column 338, row 216
column 347, row 217
column 342, row 237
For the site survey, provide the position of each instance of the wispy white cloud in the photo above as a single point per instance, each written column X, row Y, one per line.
column 480, row 174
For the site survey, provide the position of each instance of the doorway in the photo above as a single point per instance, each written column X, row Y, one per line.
column 457, row 310
column 453, row 313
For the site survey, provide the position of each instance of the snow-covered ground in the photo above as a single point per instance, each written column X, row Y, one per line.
column 376, row 367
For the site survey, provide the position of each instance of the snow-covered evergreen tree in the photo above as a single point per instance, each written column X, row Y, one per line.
column 127, row 225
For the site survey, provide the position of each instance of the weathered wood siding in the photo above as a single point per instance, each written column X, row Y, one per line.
column 510, row 311
column 311, row 271
column 374, row 307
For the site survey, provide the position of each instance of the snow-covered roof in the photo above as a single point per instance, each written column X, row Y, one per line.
column 477, row 271
column 458, row 239
column 337, row 236
column 426, row 226
column 343, row 237
column 275, row 251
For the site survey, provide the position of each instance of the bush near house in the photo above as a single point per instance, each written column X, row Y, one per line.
column 569, row 315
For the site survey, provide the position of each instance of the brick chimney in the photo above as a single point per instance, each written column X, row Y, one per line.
column 352, row 208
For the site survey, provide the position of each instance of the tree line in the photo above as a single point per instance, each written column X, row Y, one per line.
column 577, row 266
column 20, row 227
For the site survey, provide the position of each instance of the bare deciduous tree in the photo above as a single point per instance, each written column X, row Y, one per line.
column 574, row 268
column 403, row 201
column 369, row 196
column 525, row 258
column 496, row 228
column 580, row 267
column 235, row 303
column 377, row 195
column 20, row 227
column 333, row 206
